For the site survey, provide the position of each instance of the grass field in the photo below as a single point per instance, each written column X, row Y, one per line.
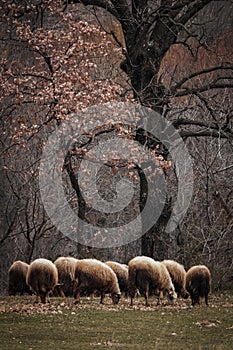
column 63, row 325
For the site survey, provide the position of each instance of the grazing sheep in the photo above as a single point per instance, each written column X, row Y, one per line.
column 66, row 270
column 92, row 275
column 149, row 276
column 122, row 273
column 42, row 277
column 198, row 279
column 178, row 276
column 17, row 278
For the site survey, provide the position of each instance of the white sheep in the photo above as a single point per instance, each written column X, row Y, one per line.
column 149, row 276
column 42, row 277
column 92, row 275
column 66, row 270
column 122, row 273
column 178, row 276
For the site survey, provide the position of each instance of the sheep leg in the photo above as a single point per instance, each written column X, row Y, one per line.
column 131, row 300
column 147, row 295
column 43, row 297
column 37, row 299
column 132, row 294
column 62, row 294
column 47, row 298
column 195, row 300
column 77, row 296
column 76, row 291
column 160, row 297
column 192, row 295
column 102, row 295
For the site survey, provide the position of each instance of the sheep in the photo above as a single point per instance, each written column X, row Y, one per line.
column 122, row 273
column 66, row 269
column 198, row 280
column 149, row 276
column 42, row 277
column 178, row 276
column 93, row 275
column 17, row 278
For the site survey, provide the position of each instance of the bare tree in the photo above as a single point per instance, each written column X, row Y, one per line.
column 176, row 67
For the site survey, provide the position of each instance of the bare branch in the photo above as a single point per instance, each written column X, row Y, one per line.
column 203, row 71
column 211, row 86
column 223, row 169
column 36, row 76
column 205, row 133
column 182, row 121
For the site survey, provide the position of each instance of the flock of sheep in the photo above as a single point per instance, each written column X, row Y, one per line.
column 69, row 276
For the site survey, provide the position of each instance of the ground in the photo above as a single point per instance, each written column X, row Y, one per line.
column 89, row 325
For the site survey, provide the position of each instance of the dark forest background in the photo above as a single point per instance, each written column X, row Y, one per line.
column 172, row 56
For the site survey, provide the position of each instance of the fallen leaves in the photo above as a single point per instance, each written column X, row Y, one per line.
column 25, row 305
column 230, row 328
column 205, row 323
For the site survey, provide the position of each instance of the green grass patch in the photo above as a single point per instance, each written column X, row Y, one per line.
column 62, row 325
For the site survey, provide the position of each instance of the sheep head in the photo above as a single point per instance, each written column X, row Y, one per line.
column 172, row 296
column 115, row 297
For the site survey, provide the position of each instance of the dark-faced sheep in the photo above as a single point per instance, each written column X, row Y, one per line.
column 198, row 279
column 149, row 276
column 178, row 276
column 92, row 275
column 17, row 278
column 42, row 277
column 122, row 273
column 66, row 270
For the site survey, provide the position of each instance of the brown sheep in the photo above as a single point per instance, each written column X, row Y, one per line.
column 92, row 275
column 66, row 270
column 122, row 273
column 17, row 278
column 149, row 276
column 178, row 276
column 198, row 279
column 42, row 277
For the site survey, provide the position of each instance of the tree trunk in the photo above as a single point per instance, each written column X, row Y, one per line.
column 156, row 243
